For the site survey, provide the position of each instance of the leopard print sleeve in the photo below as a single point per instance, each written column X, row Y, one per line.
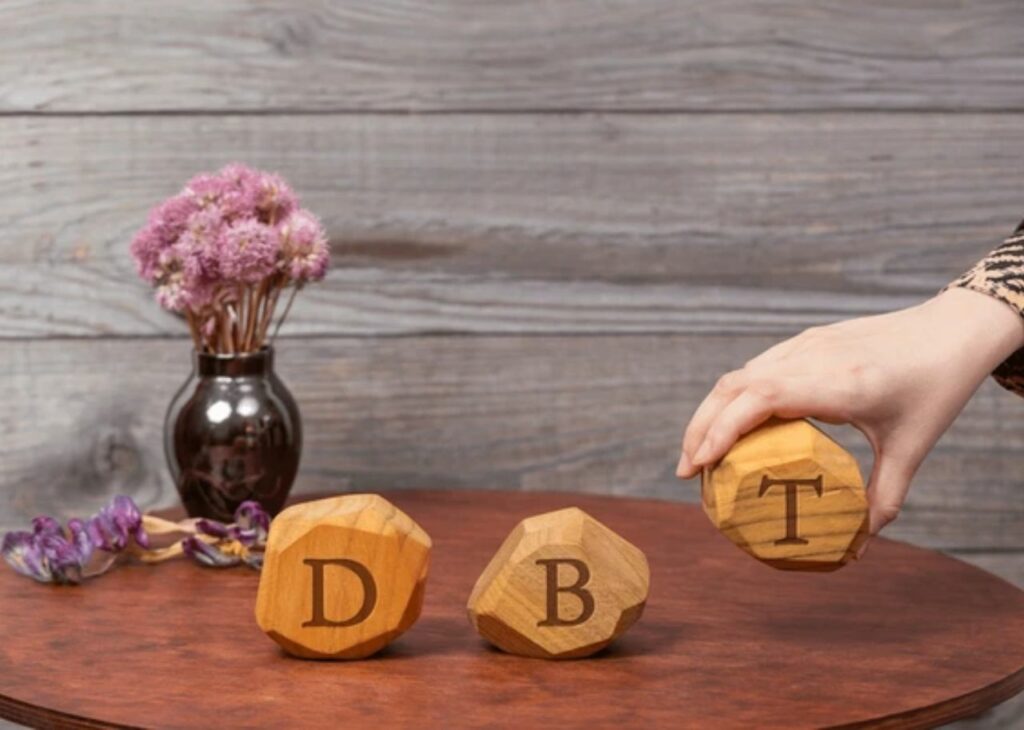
column 1001, row 275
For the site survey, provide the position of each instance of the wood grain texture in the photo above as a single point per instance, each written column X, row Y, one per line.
column 1010, row 714
column 83, row 420
column 921, row 639
column 342, row 577
column 789, row 496
column 563, row 585
column 119, row 55
column 1008, row 565
column 527, row 223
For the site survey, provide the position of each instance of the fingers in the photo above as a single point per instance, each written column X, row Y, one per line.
column 762, row 398
column 747, row 411
column 728, row 387
column 725, row 390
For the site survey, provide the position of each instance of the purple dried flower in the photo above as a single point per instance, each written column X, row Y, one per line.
column 22, row 553
column 251, row 524
column 52, row 554
column 250, row 513
column 249, row 530
column 248, row 251
column 304, row 247
column 113, row 527
column 62, row 558
column 212, row 528
column 46, row 525
column 79, row 532
column 207, row 554
column 46, row 554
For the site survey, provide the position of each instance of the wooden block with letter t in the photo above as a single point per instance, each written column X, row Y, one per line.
column 342, row 577
column 561, row 586
column 790, row 496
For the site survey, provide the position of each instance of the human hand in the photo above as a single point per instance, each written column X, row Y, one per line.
column 900, row 378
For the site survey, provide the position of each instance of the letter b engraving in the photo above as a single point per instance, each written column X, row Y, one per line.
column 319, row 618
column 577, row 589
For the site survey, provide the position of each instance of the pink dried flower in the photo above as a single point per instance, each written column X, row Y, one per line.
column 248, row 251
column 181, row 277
column 198, row 245
column 166, row 223
column 275, row 199
column 198, row 293
column 241, row 193
column 224, row 248
column 304, row 247
column 171, row 282
column 251, row 193
column 145, row 248
column 205, row 190
column 171, row 217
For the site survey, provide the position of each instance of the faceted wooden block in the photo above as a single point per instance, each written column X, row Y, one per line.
column 561, row 586
column 342, row 577
column 790, row 496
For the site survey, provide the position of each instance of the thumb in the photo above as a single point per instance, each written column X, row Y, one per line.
column 887, row 488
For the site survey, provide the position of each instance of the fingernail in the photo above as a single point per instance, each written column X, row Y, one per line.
column 702, row 454
column 685, row 467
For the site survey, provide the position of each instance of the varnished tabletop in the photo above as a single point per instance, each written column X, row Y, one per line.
column 904, row 638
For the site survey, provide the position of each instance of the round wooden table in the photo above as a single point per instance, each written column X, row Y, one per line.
column 906, row 637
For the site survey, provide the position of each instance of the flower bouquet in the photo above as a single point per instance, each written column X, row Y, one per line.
column 222, row 250
column 221, row 253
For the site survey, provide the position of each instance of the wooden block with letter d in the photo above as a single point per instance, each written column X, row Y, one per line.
column 342, row 577
column 790, row 496
column 561, row 586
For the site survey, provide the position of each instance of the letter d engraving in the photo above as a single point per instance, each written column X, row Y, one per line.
column 319, row 618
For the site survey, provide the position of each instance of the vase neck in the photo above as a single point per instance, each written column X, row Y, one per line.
column 251, row 363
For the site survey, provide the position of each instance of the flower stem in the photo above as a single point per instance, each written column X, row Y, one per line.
column 268, row 309
column 251, row 299
column 194, row 329
column 287, row 309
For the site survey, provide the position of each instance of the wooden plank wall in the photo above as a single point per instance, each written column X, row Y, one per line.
column 553, row 226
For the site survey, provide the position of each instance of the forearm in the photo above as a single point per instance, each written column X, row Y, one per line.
column 985, row 325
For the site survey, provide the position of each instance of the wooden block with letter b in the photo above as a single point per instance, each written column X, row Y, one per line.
column 561, row 586
column 790, row 496
column 342, row 577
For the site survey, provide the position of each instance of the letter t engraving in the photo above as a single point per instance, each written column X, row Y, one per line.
column 791, row 485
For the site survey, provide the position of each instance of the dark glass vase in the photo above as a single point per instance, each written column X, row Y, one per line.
column 233, row 433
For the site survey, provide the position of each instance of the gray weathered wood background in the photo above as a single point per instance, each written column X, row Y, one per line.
column 553, row 225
